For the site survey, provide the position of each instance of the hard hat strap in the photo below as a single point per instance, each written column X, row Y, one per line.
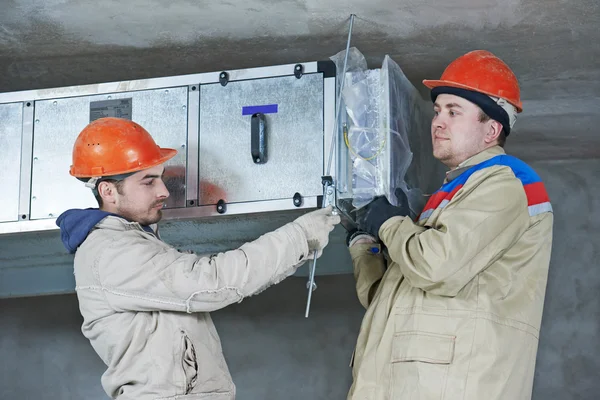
column 94, row 181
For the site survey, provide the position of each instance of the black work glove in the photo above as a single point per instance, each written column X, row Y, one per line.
column 380, row 210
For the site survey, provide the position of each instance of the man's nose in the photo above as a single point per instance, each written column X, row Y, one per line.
column 438, row 121
column 162, row 191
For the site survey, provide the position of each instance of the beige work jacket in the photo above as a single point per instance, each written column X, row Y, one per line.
column 146, row 306
column 454, row 303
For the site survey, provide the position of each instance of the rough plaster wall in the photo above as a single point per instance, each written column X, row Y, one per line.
column 553, row 45
column 568, row 358
column 273, row 351
column 146, row 23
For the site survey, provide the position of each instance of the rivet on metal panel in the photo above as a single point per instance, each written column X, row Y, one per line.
column 193, row 88
column 55, row 102
column 166, row 90
column 28, row 104
column 34, row 198
column 297, row 199
column 109, row 97
column 51, row 215
column 184, row 107
column 24, row 216
column 183, row 146
column 35, row 158
column 221, row 207
column 223, row 78
column 37, row 121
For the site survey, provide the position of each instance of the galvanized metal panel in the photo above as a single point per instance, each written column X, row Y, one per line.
column 11, row 120
column 26, row 163
column 163, row 112
column 294, row 134
column 192, row 145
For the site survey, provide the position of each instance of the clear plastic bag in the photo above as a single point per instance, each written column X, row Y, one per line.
column 384, row 122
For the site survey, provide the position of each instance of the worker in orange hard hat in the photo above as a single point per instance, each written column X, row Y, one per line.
column 454, row 299
column 108, row 151
column 146, row 305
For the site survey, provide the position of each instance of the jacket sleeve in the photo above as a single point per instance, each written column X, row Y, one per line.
column 484, row 219
column 368, row 271
column 138, row 274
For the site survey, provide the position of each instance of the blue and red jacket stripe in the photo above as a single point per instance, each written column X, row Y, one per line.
column 537, row 198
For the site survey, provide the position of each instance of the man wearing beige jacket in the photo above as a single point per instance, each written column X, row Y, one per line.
column 454, row 299
column 146, row 305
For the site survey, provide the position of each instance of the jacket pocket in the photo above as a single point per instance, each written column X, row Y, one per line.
column 189, row 363
column 423, row 346
column 420, row 363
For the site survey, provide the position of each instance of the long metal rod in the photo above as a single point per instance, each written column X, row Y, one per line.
column 339, row 101
column 311, row 283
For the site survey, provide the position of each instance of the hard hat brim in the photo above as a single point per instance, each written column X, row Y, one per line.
column 165, row 155
column 437, row 83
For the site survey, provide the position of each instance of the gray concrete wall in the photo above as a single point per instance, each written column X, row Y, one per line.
column 273, row 352
column 552, row 45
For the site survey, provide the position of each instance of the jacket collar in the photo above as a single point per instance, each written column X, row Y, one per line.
column 119, row 223
column 476, row 159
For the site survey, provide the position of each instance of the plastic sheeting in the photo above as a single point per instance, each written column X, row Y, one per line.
column 385, row 125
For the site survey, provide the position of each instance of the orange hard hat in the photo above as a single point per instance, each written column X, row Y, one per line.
column 115, row 146
column 482, row 72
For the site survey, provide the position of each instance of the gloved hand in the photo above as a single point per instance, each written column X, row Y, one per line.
column 357, row 237
column 317, row 225
column 380, row 210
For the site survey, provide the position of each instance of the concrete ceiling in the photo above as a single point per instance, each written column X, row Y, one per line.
column 552, row 45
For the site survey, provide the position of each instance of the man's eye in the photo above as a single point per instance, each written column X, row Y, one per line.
column 149, row 183
column 452, row 113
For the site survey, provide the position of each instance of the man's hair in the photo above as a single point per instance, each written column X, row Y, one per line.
column 483, row 117
column 118, row 184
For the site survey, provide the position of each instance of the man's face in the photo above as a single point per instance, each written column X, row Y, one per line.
column 142, row 196
column 456, row 131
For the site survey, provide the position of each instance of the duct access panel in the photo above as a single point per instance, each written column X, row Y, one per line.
column 250, row 140
column 261, row 139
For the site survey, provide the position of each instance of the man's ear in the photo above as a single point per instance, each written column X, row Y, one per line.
column 107, row 191
column 493, row 131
